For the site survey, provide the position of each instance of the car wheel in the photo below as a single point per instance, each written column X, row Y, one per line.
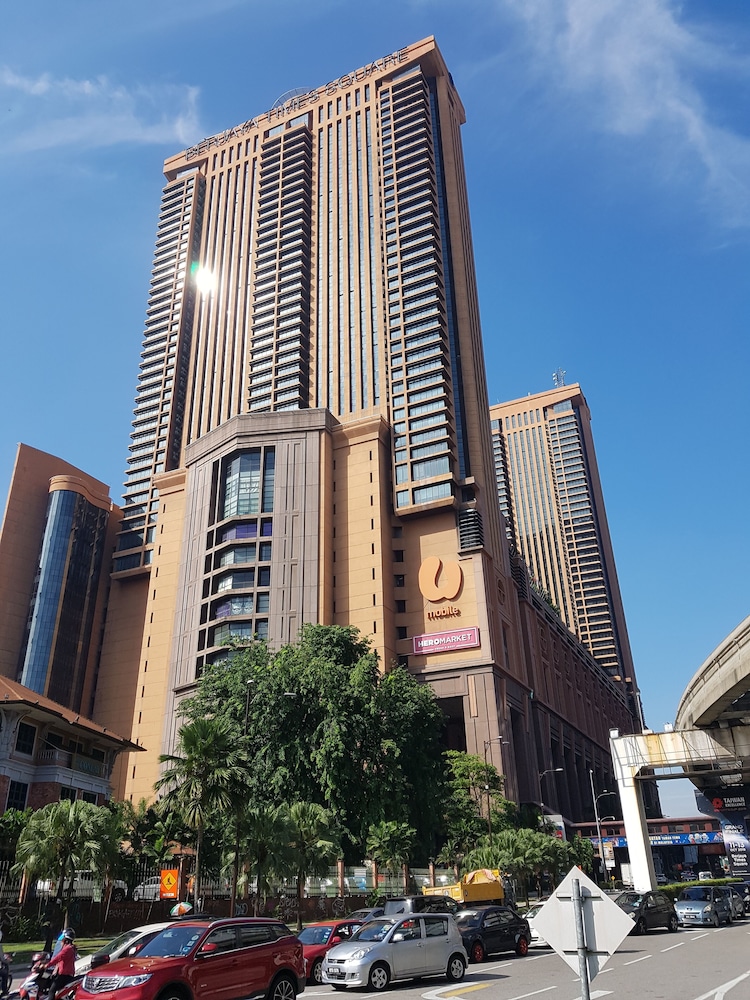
column 379, row 977
column 478, row 953
column 172, row 993
column 118, row 895
column 283, row 988
column 640, row 926
column 522, row 946
column 316, row 973
column 715, row 920
column 673, row 924
column 456, row 968
column 730, row 917
column 136, row 896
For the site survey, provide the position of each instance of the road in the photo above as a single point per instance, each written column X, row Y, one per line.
column 694, row 964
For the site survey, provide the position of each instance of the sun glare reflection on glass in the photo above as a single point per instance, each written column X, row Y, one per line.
column 205, row 280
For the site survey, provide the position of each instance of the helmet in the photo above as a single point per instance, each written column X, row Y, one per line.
column 69, row 934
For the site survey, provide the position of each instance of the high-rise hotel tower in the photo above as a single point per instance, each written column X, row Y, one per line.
column 551, row 496
column 311, row 439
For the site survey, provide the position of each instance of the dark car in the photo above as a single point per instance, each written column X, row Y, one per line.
column 487, row 930
column 648, row 910
column 210, row 960
column 419, row 904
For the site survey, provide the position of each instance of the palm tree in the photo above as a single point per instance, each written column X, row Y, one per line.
column 59, row 839
column 389, row 844
column 201, row 777
column 265, row 833
column 313, row 845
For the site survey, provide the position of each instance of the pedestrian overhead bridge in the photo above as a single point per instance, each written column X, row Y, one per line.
column 709, row 744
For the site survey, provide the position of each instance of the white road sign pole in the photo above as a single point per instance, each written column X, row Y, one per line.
column 583, row 965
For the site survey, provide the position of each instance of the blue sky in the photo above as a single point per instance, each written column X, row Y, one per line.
column 607, row 154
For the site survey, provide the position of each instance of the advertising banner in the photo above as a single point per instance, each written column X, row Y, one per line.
column 730, row 807
column 441, row 642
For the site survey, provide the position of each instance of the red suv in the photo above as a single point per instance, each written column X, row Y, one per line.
column 206, row 959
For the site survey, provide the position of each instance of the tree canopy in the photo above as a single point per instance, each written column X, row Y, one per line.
column 322, row 724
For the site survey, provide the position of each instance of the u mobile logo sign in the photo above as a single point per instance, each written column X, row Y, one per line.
column 438, row 580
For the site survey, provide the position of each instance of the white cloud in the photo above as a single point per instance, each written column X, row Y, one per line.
column 47, row 113
column 636, row 70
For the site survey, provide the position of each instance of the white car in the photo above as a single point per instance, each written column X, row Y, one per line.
column 536, row 938
column 123, row 946
column 86, row 884
column 148, row 890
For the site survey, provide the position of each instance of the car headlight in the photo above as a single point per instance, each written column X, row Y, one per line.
column 126, row 981
column 706, row 911
column 359, row 953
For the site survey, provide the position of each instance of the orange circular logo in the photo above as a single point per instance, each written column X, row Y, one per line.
column 440, row 581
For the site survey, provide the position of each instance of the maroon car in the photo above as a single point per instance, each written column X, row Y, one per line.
column 318, row 938
column 206, row 960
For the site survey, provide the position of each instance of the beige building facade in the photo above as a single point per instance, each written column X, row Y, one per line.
column 311, row 439
column 549, row 490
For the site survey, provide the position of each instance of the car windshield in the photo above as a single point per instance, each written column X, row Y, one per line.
column 532, row 911
column 373, row 930
column 468, row 918
column 177, row 940
column 315, row 935
column 629, row 899
column 696, row 895
column 119, row 942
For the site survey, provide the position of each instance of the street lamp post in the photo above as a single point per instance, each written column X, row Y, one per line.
column 596, row 798
column 487, row 744
column 550, row 770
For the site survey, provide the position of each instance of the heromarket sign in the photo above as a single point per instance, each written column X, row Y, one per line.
column 440, row 642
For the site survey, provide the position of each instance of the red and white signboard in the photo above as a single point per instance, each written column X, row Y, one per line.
column 441, row 642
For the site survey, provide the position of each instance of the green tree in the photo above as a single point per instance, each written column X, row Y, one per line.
column 12, row 824
column 265, row 833
column 389, row 845
column 324, row 725
column 581, row 853
column 202, row 778
column 58, row 840
column 313, row 845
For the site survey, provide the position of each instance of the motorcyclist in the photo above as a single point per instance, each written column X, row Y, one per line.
column 63, row 964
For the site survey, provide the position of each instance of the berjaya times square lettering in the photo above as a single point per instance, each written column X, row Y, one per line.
column 298, row 103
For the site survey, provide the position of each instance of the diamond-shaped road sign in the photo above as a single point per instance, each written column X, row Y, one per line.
column 605, row 925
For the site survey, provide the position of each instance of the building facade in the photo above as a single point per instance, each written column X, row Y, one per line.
column 311, row 439
column 49, row 753
column 56, row 544
column 550, row 493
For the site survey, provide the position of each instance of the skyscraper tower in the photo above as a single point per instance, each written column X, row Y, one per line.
column 310, row 438
column 549, row 490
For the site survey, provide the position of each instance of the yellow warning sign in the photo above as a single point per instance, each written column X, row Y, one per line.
column 169, row 884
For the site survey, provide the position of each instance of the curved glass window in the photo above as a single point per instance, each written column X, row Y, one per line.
column 237, row 554
column 234, row 581
column 235, row 606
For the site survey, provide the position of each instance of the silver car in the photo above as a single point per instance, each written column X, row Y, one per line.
column 702, row 904
column 736, row 900
column 404, row 946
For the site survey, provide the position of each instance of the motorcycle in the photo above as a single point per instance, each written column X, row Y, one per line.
column 30, row 987
column 37, row 984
